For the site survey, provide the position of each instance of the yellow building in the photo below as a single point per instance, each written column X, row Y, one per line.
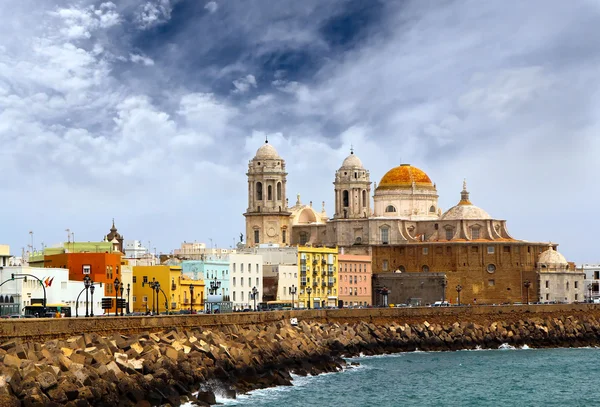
column 186, row 301
column 318, row 277
column 170, row 290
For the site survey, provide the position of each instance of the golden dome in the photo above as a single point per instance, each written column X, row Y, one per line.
column 403, row 176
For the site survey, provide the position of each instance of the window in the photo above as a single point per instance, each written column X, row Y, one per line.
column 491, row 283
column 279, row 191
column 506, row 249
column 355, row 278
column 242, row 295
column 432, row 209
column 576, row 297
column 241, row 282
column 233, row 281
column 134, row 298
column 402, row 269
column 269, row 193
column 490, row 250
column 425, row 269
column 256, row 236
column 596, row 275
column 547, row 296
column 257, row 282
column 249, row 267
column 345, row 198
column 303, row 238
column 234, row 296
column 145, row 279
column 567, row 286
column 449, row 234
column 547, row 284
column 144, row 299
column 576, row 285
column 283, row 235
column 474, row 233
column 249, row 281
column 364, row 198
column 491, row 268
column 425, row 250
column 390, row 208
column 134, row 279
column 385, row 265
column 474, row 249
column 241, row 267
column 259, row 194
column 385, row 235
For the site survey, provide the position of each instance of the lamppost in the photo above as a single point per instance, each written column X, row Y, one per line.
column 87, row 282
column 191, row 298
column 116, row 284
column 293, row 290
column 92, row 288
column 157, row 289
column 128, row 289
column 458, row 290
column 121, row 288
column 254, row 294
column 384, row 293
column 527, row 284
column 308, row 291
column 214, row 286
column 444, row 283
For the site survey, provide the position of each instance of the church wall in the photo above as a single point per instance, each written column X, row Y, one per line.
column 467, row 264
column 270, row 229
column 407, row 203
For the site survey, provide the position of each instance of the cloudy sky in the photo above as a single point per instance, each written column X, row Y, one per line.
column 148, row 111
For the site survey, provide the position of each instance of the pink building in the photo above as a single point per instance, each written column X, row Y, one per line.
column 354, row 279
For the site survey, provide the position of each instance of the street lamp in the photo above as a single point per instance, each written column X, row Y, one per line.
column 92, row 288
column 254, row 294
column 191, row 298
column 121, row 288
column 116, row 284
column 308, row 291
column 384, row 293
column 293, row 290
column 458, row 290
column 444, row 283
column 527, row 284
column 87, row 281
column 214, row 286
column 128, row 289
column 157, row 289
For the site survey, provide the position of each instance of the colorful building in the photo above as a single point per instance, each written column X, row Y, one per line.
column 192, row 294
column 213, row 270
column 170, row 292
column 318, row 277
column 355, row 279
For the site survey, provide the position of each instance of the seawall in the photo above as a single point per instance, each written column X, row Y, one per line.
column 49, row 328
column 152, row 361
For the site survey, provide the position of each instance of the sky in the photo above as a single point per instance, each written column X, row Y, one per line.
column 149, row 111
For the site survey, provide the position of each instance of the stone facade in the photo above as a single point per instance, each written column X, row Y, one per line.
column 558, row 281
column 411, row 288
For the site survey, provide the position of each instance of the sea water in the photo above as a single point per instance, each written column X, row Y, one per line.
column 503, row 377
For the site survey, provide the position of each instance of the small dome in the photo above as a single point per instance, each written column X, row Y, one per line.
column 403, row 177
column 267, row 151
column 553, row 257
column 352, row 161
column 465, row 211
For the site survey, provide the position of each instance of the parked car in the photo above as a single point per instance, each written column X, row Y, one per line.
column 440, row 304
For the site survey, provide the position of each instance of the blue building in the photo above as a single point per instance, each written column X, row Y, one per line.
column 213, row 269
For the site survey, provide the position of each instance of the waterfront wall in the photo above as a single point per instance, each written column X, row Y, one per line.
column 151, row 361
column 63, row 327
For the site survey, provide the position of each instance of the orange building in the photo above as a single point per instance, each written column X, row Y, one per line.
column 354, row 279
column 101, row 267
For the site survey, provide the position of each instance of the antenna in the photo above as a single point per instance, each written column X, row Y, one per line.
column 351, row 149
column 266, row 138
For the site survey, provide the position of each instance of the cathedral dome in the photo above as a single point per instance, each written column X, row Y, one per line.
column 352, row 161
column 267, row 151
column 552, row 257
column 465, row 209
column 403, row 177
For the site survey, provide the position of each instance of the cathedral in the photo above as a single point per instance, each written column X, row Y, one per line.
column 401, row 226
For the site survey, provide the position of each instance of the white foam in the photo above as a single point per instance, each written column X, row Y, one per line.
column 506, row 346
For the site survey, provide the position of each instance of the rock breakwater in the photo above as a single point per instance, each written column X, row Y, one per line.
column 171, row 367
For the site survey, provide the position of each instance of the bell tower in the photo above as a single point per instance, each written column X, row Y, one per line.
column 352, row 189
column 267, row 215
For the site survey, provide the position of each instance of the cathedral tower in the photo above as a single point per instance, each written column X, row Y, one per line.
column 352, row 190
column 267, row 216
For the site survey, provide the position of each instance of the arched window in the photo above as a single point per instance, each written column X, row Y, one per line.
column 259, row 195
column 279, row 191
column 402, row 269
column 432, row 209
column 364, row 198
column 345, row 198
column 425, row 268
column 390, row 208
column 269, row 193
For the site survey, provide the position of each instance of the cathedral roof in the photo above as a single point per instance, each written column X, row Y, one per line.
column 465, row 209
column 267, row 151
column 403, row 177
column 352, row 161
column 553, row 257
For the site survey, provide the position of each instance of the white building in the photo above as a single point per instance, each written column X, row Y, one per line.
column 245, row 273
column 134, row 250
column 287, row 276
column 558, row 281
column 591, row 282
column 4, row 255
column 198, row 251
column 26, row 290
